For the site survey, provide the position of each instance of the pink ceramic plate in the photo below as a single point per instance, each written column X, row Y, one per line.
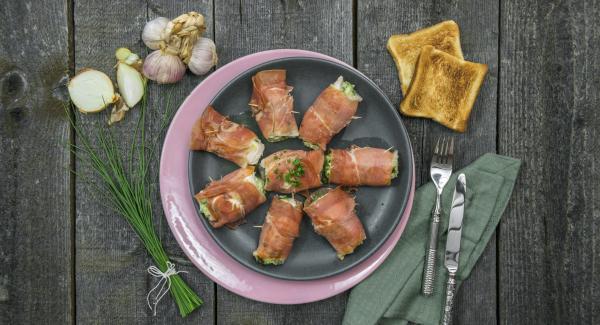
column 197, row 243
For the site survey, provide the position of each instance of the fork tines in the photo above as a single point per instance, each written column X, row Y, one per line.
column 444, row 150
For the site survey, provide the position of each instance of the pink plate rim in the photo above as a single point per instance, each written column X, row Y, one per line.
column 197, row 243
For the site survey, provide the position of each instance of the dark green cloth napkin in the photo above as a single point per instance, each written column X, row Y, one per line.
column 392, row 294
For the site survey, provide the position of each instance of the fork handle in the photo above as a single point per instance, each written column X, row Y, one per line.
column 430, row 258
column 450, row 293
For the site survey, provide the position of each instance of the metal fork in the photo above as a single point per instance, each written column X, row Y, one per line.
column 440, row 171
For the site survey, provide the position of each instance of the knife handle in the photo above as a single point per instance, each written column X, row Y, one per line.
column 430, row 258
column 450, row 292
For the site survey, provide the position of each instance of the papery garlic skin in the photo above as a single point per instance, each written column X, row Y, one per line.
column 163, row 68
column 204, row 56
column 152, row 34
column 131, row 84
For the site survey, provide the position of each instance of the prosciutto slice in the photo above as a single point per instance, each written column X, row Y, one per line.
column 333, row 217
column 361, row 166
column 215, row 133
column 329, row 114
column 289, row 171
column 272, row 105
column 281, row 227
column 228, row 200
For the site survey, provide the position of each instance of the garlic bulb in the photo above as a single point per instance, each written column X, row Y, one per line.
column 163, row 67
column 204, row 56
column 153, row 32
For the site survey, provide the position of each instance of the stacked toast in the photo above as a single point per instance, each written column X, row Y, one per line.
column 436, row 81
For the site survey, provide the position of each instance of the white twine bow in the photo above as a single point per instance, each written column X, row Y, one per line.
column 164, row 283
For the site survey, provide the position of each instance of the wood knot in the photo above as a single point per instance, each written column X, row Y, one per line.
column 17, row 114
column 12, row 86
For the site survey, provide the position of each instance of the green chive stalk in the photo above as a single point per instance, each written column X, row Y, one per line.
column 126, row 190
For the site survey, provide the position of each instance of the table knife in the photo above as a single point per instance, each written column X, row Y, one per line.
column 453, row 244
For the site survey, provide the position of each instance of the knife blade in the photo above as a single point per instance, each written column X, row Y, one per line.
column 453, row 244
column 455, row 224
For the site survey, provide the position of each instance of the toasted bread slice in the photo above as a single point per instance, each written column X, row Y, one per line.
column 405, row 48
column 444, row 88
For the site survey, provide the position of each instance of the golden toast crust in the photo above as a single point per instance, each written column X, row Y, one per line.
column 444, row 88
column 405, row 48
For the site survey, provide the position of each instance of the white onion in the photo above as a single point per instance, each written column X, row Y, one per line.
column 91, row 91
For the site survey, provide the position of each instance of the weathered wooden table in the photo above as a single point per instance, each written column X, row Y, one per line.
column 66, row 259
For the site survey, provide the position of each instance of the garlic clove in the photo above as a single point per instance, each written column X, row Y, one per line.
column 152, row 35
column 131, row 84
column 204, row 56
column 163, row 68
column 91, row 91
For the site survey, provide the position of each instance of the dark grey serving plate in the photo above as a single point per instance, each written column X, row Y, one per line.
column 379, row 208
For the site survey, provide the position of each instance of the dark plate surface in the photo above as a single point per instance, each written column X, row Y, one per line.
column 379, row 208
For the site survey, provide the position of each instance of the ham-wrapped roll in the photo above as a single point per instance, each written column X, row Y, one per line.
column 273, row 106
column 281, row 227
column 215, row 133
column 289, row 171
column 329, row 114
column 361, row 166
column 333, row 217
column 228, row 200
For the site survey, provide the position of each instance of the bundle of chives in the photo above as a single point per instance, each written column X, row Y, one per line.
column 126, row 190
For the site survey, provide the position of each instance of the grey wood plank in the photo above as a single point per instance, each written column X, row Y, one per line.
column 243, row 27
column 178, row 92
column 478, row 21
column 36, row 223
column 549, row 244
column 111, row 262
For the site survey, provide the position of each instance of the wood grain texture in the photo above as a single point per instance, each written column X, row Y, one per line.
column 478, row 21
column 541, row 99
column 243, row 27
column 177, row 93
column 35, row 227
column 549, row 240
column 112, row 282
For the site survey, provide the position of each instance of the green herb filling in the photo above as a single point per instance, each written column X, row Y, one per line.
column 395, row 165
column 268, row 261
column 347, row 88
column 292, row 177
column 258, row 183
column 277, row 138
column 327, row 167
column 311, row 145
column 205, row 211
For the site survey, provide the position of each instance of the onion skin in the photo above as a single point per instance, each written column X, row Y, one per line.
column 163, row 68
